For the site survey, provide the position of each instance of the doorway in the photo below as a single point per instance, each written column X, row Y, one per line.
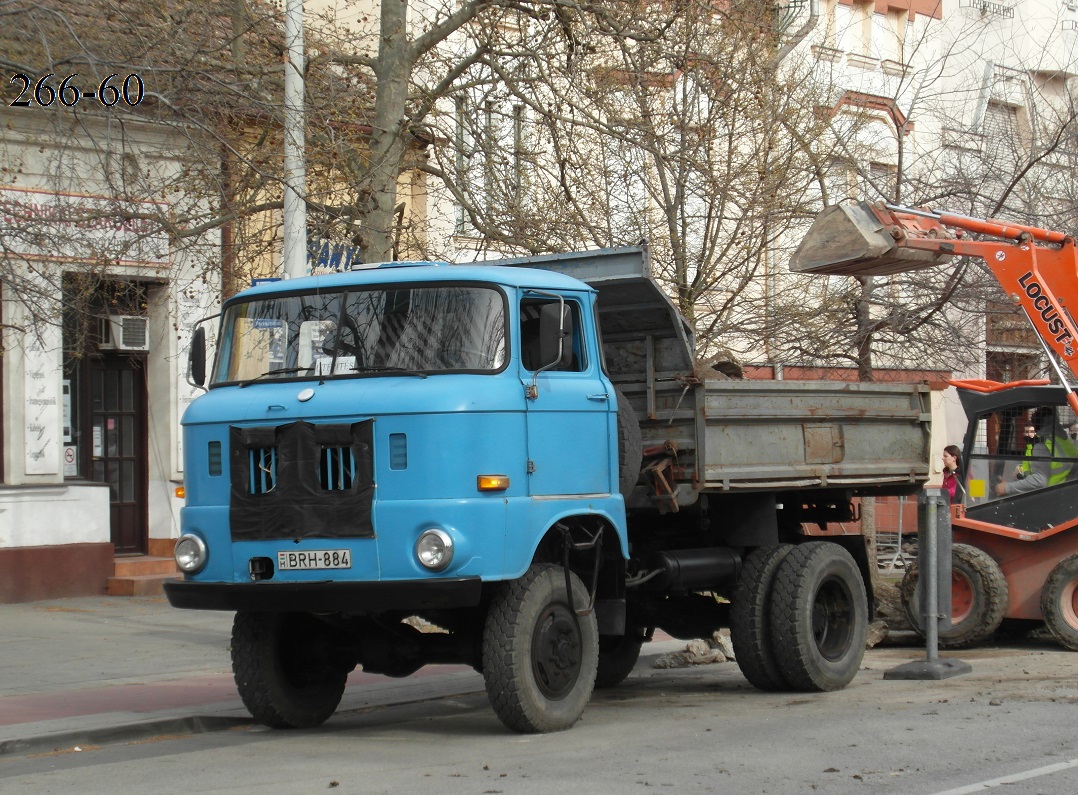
column 106, row 404
column 116, row 409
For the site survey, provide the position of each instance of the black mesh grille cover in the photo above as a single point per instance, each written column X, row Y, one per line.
column 299, row 504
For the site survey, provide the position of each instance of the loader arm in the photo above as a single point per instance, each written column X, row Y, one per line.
column 1037, row 268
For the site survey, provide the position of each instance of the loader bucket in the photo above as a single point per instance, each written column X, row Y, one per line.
column 850, row 240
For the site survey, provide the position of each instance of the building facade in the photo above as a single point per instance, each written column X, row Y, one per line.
column 97, row 307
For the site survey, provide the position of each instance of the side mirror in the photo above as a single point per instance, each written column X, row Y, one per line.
column 196, row 357
column 555, row 327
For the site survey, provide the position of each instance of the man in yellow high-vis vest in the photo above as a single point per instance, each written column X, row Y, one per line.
column 1050, row 455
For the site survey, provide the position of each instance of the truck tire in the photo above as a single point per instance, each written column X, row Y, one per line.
column 630, row 445
column 1059, row 602
column 617, row 658
column 283, row 670
column 539, row 657
column 750, row 619
column 819, row 617
column 979, row 597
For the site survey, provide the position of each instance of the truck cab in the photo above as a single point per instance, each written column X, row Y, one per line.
column 413, row 430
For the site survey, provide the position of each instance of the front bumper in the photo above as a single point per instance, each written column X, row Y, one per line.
column 325, row 597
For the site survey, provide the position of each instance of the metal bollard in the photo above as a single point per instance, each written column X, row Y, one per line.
column 934, row 564
column 933, row 588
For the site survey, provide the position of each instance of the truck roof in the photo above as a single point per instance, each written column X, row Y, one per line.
column 404, row 272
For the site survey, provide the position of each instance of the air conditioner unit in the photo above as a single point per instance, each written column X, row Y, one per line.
column 124, row 333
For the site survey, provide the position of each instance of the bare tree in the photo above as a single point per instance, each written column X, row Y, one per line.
column 620, row 122
column 999, row 146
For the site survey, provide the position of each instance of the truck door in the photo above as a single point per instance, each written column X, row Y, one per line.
column 570, row 416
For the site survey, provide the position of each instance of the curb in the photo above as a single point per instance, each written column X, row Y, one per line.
column 73, row 740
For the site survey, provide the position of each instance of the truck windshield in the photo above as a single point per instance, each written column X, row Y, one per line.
column 353, row 333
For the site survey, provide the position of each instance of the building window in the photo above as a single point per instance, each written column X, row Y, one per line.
column 862, row 30
column 1001, row 122
column 878, row 182
column 1006, row 366
column 893, row 39
column 829, row 11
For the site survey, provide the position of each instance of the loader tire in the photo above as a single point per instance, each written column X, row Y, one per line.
column 539, row 657
column 1059, row 602
column 819, row 617
column 750, row 618
column 979, row 597
column 630, row 445
column 283, row 669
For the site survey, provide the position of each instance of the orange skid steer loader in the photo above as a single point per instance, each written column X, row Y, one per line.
column 1015, row 553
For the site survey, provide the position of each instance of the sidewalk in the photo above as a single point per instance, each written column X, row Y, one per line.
column 90, row 671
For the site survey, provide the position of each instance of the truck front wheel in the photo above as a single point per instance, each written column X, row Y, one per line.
column 283, row 669
column 539, row 656
column 819, row 617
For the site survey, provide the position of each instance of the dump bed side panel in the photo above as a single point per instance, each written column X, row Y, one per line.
column 874, row 438
column 738, row 436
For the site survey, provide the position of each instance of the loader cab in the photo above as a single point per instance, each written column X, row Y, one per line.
column 1020, row 461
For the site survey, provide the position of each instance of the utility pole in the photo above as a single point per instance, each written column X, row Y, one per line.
column 295, row 169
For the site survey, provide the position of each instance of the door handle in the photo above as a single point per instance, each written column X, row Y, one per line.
column 600, row 396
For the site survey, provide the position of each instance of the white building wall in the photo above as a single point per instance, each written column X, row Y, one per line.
column 39, row 507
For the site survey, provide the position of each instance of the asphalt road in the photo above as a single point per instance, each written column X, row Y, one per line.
column 1008, row 726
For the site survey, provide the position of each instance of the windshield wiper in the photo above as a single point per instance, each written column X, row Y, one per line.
column 278, row 371
column 360, row 368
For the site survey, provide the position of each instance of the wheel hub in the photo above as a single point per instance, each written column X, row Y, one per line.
column 556, row 651
column 1069, row 603
column 832, row 619
column 963, row 597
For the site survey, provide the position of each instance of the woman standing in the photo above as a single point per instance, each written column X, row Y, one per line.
column 952, row 462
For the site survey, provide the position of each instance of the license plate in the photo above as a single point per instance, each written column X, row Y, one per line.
column 315, row 559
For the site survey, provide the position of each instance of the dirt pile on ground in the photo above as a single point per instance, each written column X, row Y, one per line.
column 889, row 604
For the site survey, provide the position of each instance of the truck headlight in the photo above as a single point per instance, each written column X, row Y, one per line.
column 434, row 549
column 190, row 553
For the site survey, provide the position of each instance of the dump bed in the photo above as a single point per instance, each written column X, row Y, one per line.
column 744, row 435
column 781, row 435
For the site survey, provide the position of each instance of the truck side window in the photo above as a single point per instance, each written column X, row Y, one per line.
column 573, row 359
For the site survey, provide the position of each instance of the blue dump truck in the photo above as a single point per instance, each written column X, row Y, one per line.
column 519, row 466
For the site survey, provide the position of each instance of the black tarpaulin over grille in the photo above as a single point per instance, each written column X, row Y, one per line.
column 286, row 481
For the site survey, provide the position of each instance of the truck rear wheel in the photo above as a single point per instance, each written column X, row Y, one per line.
column 1059, row 602
column 283, row 669
column 819, row 617
column 750, row 619
column 979, row 597
column 539, row 657
column 617, row 658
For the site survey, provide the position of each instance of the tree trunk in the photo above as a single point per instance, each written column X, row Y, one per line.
column 378, row 196
column 868, row 530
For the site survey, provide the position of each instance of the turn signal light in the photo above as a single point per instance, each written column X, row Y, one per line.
column 180, row 492
column 492, row 482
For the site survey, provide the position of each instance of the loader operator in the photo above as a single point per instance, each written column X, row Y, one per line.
column 1050, row 455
